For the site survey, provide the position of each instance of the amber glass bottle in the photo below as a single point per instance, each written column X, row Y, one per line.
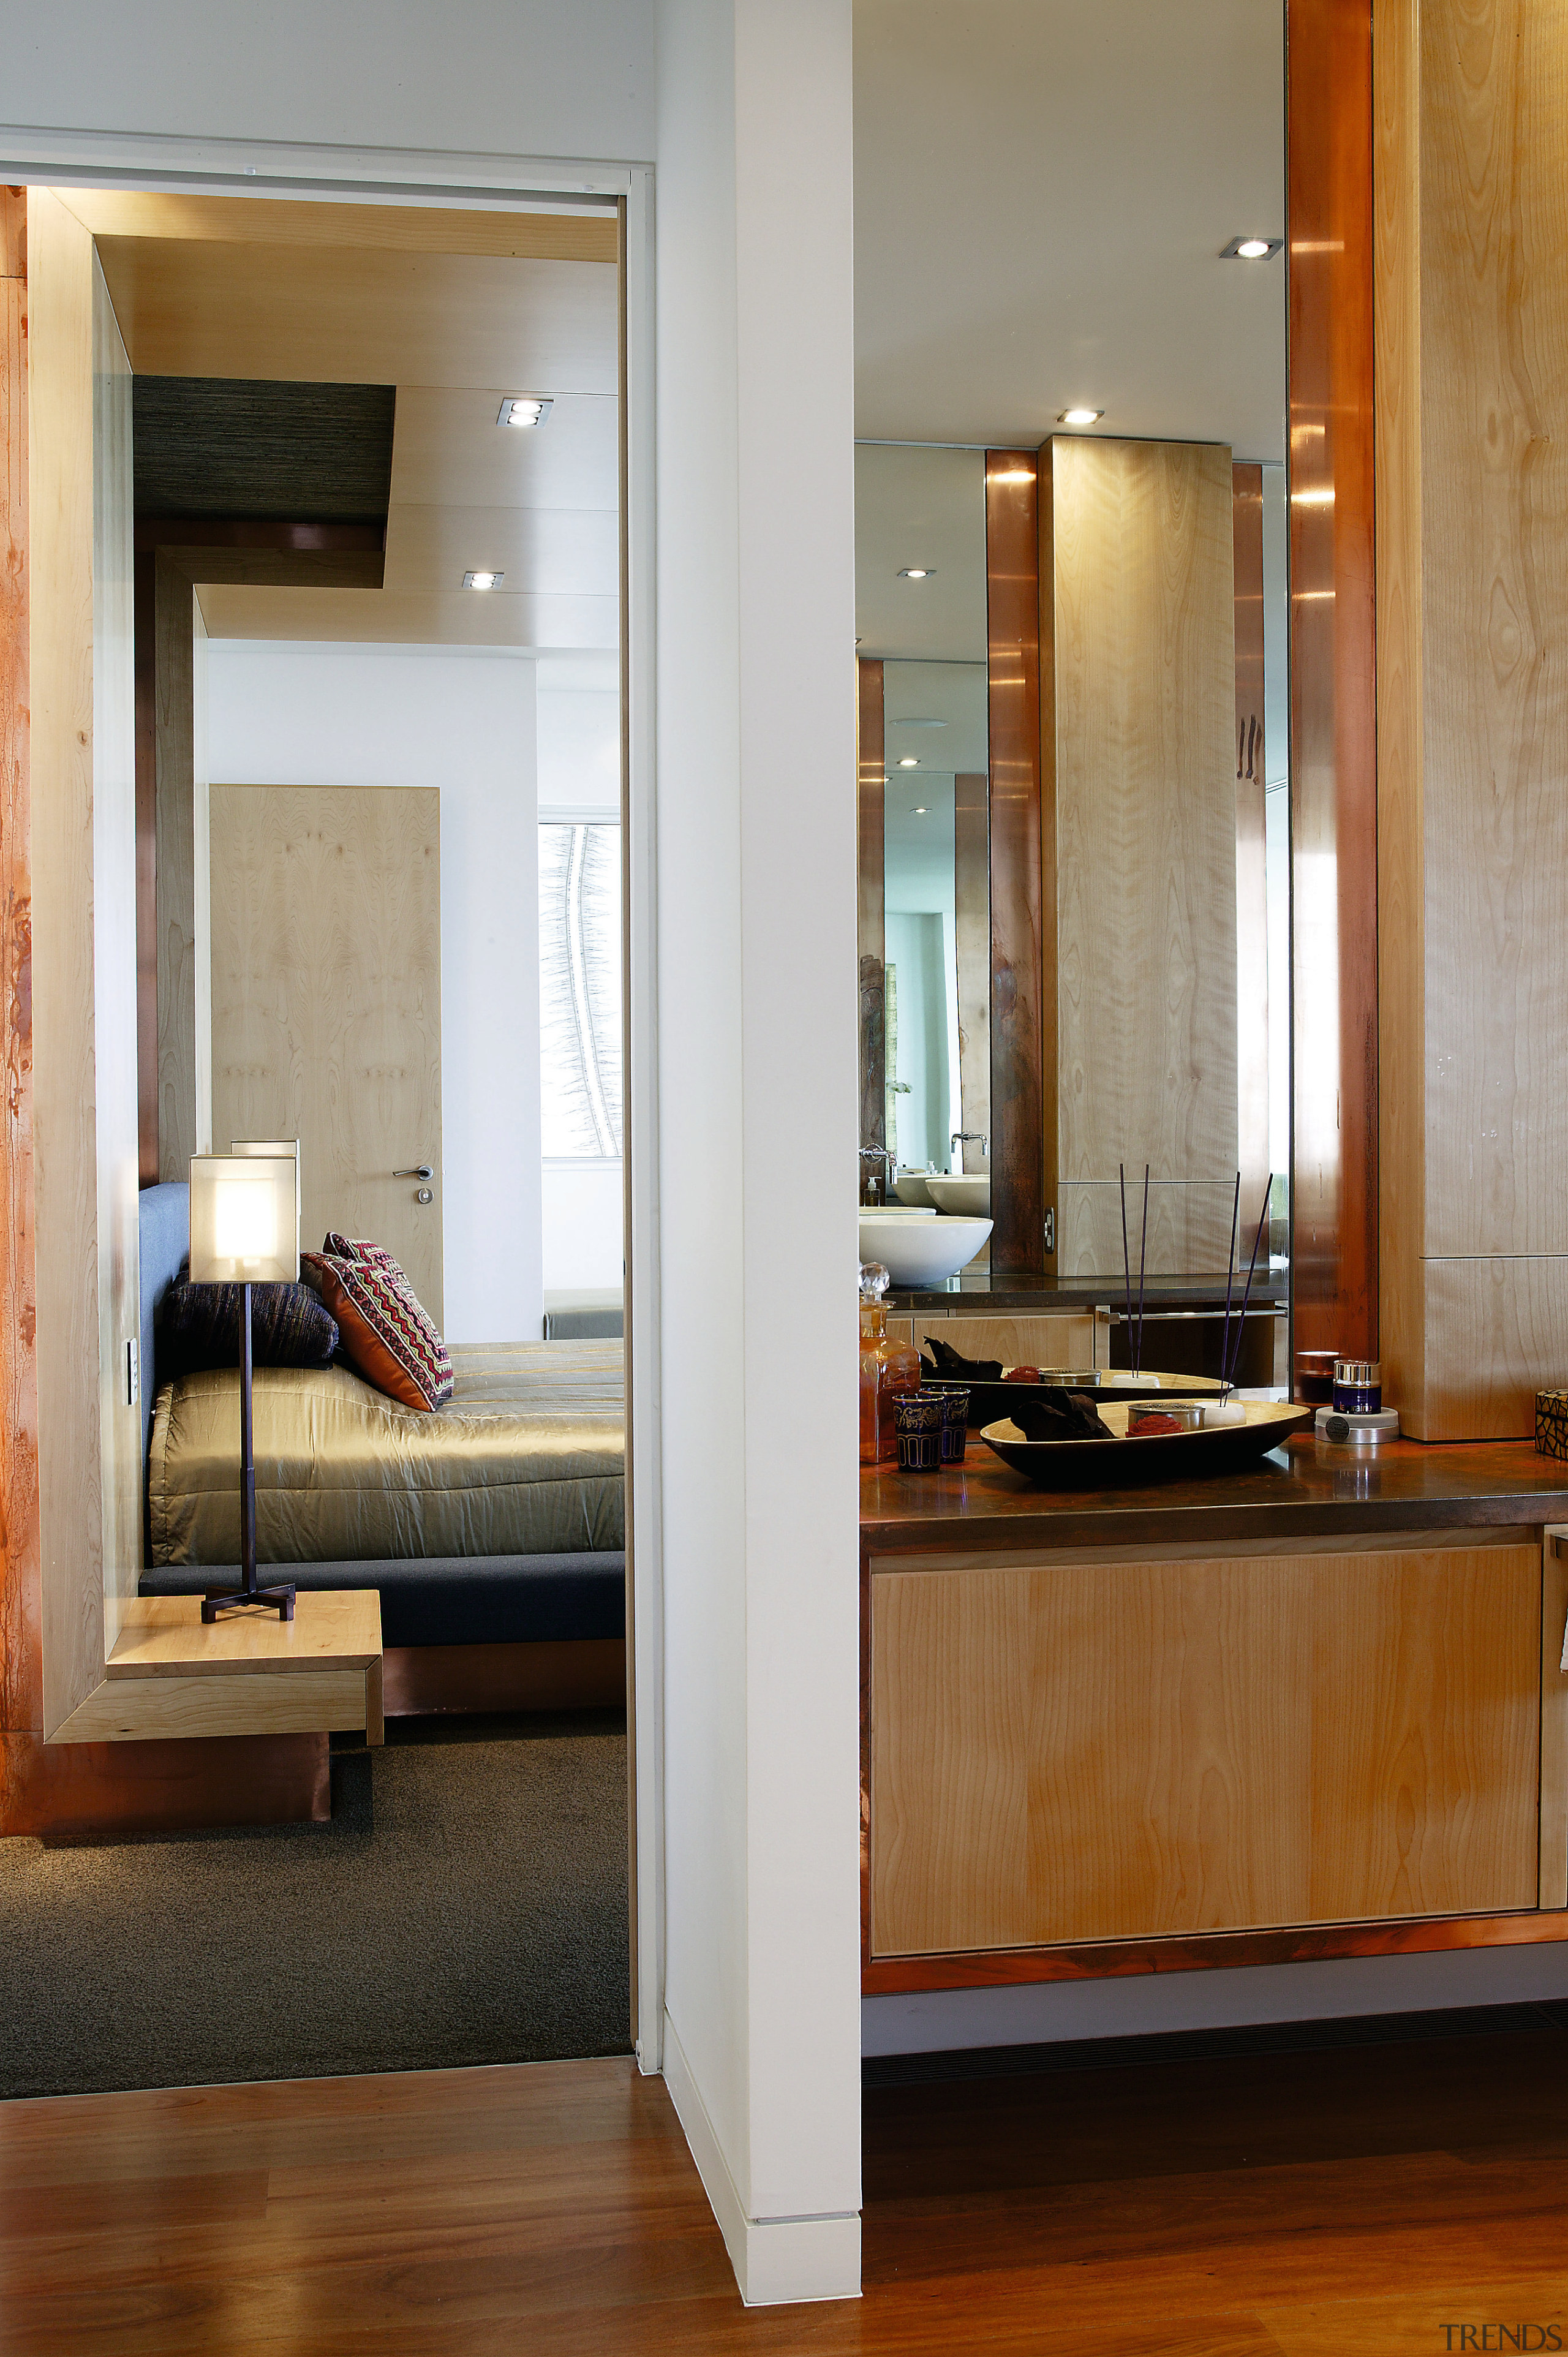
column 886, row 1368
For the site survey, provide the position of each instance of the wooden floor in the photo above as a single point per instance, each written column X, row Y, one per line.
column 1312, row 2204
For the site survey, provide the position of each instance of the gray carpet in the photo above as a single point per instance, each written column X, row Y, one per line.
column 466, row 1903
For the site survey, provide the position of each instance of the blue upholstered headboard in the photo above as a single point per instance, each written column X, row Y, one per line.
column 165, row 1242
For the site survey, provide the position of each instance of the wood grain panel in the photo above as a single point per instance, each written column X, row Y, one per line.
column 332, row 1629
column 1095, row 1751
column 361, row 316
column 177, row 1707
column 74, row 1510
column 1050, row 876
column 184, row 863
column 1251, row 859
column 1473, row 325
column 327, row 1001
column 1333, row 765
column 21, row 1690
column 1553, row 1720
column 394, row 229
column 1066, row 1342
column 870, row 803
column 111, row 884
column 1146, row 802
column 1013, row 643
column 1494, row 1335
column 971, row 942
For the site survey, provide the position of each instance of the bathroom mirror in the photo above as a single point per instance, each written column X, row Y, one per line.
column 1074, row 709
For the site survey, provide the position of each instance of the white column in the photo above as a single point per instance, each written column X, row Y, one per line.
column 758, row 1124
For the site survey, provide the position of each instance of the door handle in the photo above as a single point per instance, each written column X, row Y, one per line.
column 420, row 1170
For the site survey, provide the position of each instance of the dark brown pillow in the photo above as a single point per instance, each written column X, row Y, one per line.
column 198, row 1325
column 386, row 1336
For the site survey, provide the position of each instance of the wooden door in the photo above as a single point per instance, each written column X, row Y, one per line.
column 1113, row 1750
column 327, row 1002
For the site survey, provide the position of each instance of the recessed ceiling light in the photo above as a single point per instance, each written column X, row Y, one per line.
column 916, row 573
column 910, row 761
column 483, row 580
column 918, row 811
column 1081, row 417
column 1251, row 249
column 523, row 409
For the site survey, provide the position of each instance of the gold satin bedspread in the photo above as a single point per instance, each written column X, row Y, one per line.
column 527, row 1458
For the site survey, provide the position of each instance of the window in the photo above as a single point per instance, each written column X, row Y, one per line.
column 579, row 989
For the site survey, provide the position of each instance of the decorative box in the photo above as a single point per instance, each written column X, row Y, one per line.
column 1551, row 1424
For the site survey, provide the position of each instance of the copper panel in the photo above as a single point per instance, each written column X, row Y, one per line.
column 1333, row 706
column 1013, row 642
column 971, row 942
column 147, row 867
column 584, row 1673
column 86, row 1791
column 1252, row 861
column 871, row 796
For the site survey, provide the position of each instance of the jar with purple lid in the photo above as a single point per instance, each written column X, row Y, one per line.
column 1358, row 1386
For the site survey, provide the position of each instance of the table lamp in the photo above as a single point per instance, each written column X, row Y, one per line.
column 244, row 1231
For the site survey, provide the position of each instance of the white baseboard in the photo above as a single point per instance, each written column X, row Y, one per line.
column 775, row 2260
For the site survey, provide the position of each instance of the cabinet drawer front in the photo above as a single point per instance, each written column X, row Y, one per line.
column 1123, row 1750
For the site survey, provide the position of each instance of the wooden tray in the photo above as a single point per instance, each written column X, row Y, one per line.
column 1159, row 1456
column 990, row 1402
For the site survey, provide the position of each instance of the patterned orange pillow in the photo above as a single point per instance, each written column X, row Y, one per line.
column 386, row 1335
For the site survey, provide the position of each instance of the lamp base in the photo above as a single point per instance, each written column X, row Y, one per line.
column 240, row 1599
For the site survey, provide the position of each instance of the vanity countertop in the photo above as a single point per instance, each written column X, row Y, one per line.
column 1304, row 1489
column 978, row 1294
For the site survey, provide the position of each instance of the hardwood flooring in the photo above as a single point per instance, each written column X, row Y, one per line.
column 1300, row 2204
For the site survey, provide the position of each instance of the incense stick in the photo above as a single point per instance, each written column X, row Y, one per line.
column 1230, row 1276
column 1126, row 1256
column 1257, row 1240
column 1143, row 1255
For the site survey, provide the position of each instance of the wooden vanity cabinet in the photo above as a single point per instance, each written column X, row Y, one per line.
column 1110, row 1747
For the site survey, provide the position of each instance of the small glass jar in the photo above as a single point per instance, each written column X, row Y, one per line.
column 886, row 1368
column 919, row 1419
column 1358, row 1386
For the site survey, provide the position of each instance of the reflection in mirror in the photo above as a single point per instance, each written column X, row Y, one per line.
column 1072, row 628
column 920, row 558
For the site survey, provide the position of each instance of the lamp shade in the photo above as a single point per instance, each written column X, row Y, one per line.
column 244, row 1218
column 270, row 1148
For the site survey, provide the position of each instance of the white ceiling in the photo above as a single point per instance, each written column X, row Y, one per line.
column 924, row 508
column 1041, row 192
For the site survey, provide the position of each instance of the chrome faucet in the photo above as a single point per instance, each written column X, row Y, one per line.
column 969, row 1137
column 889, row 1167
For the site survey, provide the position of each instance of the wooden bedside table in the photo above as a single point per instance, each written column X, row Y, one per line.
column 249, row 1673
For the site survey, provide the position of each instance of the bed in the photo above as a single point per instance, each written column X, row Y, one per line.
column 493, row 1529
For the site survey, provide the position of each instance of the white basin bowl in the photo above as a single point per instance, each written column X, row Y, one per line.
column 969, row 1196
column 912, row 1190
column 920, row 1251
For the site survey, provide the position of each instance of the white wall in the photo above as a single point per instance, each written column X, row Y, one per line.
column 511, row 77
column 290, row 714
column 756, row 981
column 584, row 1226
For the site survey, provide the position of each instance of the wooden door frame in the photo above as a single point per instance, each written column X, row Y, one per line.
column 37, row 1794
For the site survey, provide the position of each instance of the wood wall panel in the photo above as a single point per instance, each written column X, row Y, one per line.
column 971, row 942
column 1554, row 1723
column 184, row 876
column 871, row 790
column 400, row 228
column 1145, row 809
column 1473, row 519
column 70, row 1455
column 1333, row 763
column 1018, row 1045
column 1251, row 850
column 327, row 1001
column 1107, row 1750
column 111, row 887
